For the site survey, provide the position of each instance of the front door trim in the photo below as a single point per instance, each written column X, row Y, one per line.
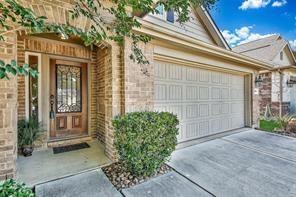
column 67, row 130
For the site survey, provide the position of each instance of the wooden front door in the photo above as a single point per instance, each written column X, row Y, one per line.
column 68, row 99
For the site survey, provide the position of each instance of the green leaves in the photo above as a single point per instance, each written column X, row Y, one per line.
column 15, row 69
column 145, row 140
column 28, row 131
column 14, row 15
column 12, row 188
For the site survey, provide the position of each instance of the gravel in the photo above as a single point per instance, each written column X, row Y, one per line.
column 290, row 134
column 121, row 178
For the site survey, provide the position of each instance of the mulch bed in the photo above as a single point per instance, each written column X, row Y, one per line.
column 121, row 178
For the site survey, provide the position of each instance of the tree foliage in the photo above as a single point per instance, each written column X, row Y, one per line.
column 13, row 16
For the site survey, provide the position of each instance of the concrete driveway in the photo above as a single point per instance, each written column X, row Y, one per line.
column 251, row 163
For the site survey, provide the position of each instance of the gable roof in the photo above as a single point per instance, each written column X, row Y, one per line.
column 265, row 49
column 212, row 27
column 207, row 21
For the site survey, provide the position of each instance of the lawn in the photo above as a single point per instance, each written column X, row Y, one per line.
column 269, row 125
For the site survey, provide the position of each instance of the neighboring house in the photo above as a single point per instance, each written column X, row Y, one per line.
column 192, row 73
column 277, row 90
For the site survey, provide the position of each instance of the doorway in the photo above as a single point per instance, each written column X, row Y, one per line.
column 68, row 99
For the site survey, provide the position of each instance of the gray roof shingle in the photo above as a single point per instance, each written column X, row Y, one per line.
column 264, row 49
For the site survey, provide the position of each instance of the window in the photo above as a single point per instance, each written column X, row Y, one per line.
column 160, row 10
column 68, row 89
column 170, row 16
column 281, row 55
column 165, row 15
column 33, row 88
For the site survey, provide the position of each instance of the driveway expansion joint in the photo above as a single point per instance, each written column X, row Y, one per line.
column 192, row 181
column 259, row 151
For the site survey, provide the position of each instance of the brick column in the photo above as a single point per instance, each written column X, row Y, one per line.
column 109, row 93
column 8, row 113
column 265, row 92
column 255, row 103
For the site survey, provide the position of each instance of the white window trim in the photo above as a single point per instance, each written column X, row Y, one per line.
column 161, row 16
column 27, row 101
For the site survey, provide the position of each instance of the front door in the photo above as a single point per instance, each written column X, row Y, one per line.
column 68, row 99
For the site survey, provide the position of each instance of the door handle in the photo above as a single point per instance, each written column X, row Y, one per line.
column 51, row 113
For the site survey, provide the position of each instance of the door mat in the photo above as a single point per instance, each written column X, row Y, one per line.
column 63, row 149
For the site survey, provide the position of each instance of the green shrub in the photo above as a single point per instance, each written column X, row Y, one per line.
column 269, row 124
column 10, row 188
column 284, row 121
column 28, row 131
column 145, row 140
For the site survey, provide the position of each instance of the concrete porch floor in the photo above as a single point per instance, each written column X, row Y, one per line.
column 44, row 166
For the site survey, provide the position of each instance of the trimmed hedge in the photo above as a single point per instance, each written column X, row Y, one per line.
column 145, row 140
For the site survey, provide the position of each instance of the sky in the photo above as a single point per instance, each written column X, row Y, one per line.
column 241, row 21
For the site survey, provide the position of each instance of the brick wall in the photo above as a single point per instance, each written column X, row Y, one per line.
column 265, row 92
column 93, row 89
column 13, row 91
column 138, row 86
column 8, row 113
column 275, row 108
column 265, row 99
column 113, row 95
column 104, row 59
column 21, row 110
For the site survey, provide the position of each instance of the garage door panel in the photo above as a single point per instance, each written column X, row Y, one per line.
column 175, row 92
column 216, row 109
column 191, row 92
column 175, row 72
column 204, row 93
column 192, row 111
column 192, row 75
column 215, row 93
column 216, row 77
column 204, row 110
column 237, row 108
column 204, row 76
column 206, row 102
column 160, row 71
column 160, row 92
column 225, row 93
column 225, row 79
column 236, row 122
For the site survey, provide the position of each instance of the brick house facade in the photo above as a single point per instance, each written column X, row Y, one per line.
column 265, row 99
column 277, row 90
column 116, row 84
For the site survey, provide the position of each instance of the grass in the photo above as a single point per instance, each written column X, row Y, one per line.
column 269, row 125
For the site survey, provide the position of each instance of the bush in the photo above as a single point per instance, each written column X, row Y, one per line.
column 284, row 121
column 145, row 140
column 28, row 131
column 12, row 188
column 269, row 124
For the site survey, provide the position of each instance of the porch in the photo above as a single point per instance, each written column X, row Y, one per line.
column 45, row 166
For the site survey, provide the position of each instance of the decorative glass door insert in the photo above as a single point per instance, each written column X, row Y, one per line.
column 68, row 89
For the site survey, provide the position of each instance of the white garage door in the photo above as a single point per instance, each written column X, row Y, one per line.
column 206, row 102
